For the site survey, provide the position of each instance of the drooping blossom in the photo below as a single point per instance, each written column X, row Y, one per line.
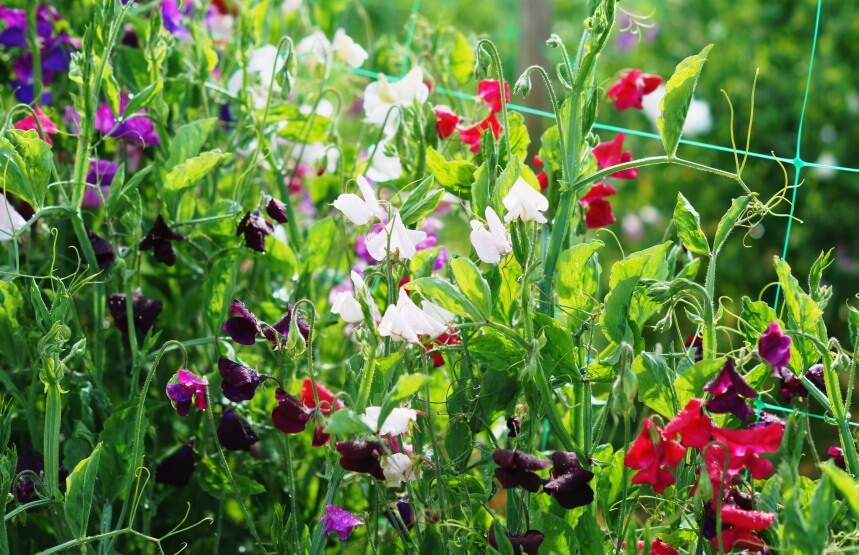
column 327, row 401
column 239, row 382
column 339, row 521
column 40, row 123
column 527, row 543
column 361, row 456
column 489, row 92
column 514, row 426
column 347, row 51
column 404, row 321
column 159, row 239
column 493, row 243
column 774, row 346
column 395, row 424
column 100, row 176
column 255, row 229
column 524, row 203
column 186, row 388
column 399, row 468
column 136, row 128
column 277, row 334
column 320, row 438
column 657, row 547
column 405, row 514
column 629, row 91
column 611, row 153
column 30, row 469
column 837, row 455
column 144, row 311
column 471, row 135
column 263, row 65
column 790, row 386
column 384, row 163
column 289, row 416
column 599, row 212
column 569, row 481
column 243, row 326
column 176, row 469
column 360, row 211
column 235, row 434
column 394, row 239
column 446, row 121
column 693, row 426
column 276, row 210
column 381, row 96
column 815, row 376
column 745, row 447
column 347, row 307
column 651, row 454
column 103, row 250
column 516, row 468
column 729, row 390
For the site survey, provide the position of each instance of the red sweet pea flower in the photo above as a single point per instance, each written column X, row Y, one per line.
column 694, row 427
column 650, row 453
column 48, row 127
column 446, row 121
column 738, row 527
column 631, row 88
column 657, row 547
column 490, row 93
column 542, row 177
column 746, row 446
column 471, row 135
column 599, row 212
column 327, row 400
column 611, row 153
column 449, row 337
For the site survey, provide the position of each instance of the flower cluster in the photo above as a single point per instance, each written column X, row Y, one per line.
column 568, row 482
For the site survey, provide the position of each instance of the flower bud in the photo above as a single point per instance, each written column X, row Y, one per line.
column 523, row 84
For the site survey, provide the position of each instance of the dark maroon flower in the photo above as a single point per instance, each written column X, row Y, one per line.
column 103, row 249
column 145, row 311
column 320, row 438
column 790, row 386
column 516, row 468
column 289, row 416
column 32, row 464
column 815, row 376
column 729, row 389
column 277, row 333
column 101, row 174
column 256, row 229
column 527, row 543
column 837, row 455
column 234, row 433
column 514, row 426
column 244, row 326
column 186, row 387
column 176, row 469
column 774, row 346
column 361, row 456
column 695, row 343
column 276, row 210
column 239, row 382
column 159, row 240
column 569, row 483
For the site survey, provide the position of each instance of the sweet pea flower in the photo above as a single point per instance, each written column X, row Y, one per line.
column 402, row 241
column 234, row 433
column 264, row 63
column 381, row 96
column 339, row 521
column 136, row 128
column 277, row 333
column 41, row 123
column 159, row 239
column 657, row 547
column 472, row 135
column 728, row 390
column 489, row 92
column 239, row 382
column 527, row 543
column 276, row 210
column 651, row 453
column 395, row 424
column 449, row 337
column 360, row 211
column 745, row 447
column 347, row 307
column 347, row 51
column 446, row 121
column 493, row 243
column 243, row 326
column 176, row 469
column 186, row 387
column 693, row 426
column 383, row 166
column 313, row 49
column 255, row 229
column 569, row 482
column 171, row 17
column 516, row 468
column 405, row 512
column 524, row 203
column 103, row 249
column 25, row 485
column 327, row 401
column 100, row 175
column 10, row 219
column 144, row 311
column 404, row 321
column 611, row 153
column 774, row 346
column 289, row 416
column 361, row 456
column 599, row 212
column 629, row 91
column 399, row 468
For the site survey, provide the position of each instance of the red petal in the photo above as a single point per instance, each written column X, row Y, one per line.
column 749, row 520
column 599, row 214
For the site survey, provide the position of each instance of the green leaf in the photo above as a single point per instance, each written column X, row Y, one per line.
column 493, row 349
column 577, row 281
column 472, row 285
column 650, row 263
column 25, row 166
column 559, row 535
column 458, row 442
column 187, row 174
column 80, row 485
column 674, row 106
column 421, row 203
column 804, row 314
column 218, row 289
column 189, row 140
column 456, row 176
column 689, row 227
column 518, row 135
column 318, row 245
column 346, row 422
column 615, row 317
column 461, row 59
column 757, row 316
column 297, row 127
column 844, row 485
column 143, row 98
column 557, row 353
column 116, row 469
column 728, row 221
column 655, row 383
column 480, row 193
column 446, row 295
column 214, row 481
column 691, row 383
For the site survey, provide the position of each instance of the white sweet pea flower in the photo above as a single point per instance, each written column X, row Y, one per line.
column 313, row 49
column 381, row 96
column 397, row 422
column 404, row 321
column 399, row 468
column 525, row 203
column 383, row 167
column 402, row 240
column 10, row 219
column 357, row 210
column 347, row 50
column 490, row 245
column 437, row 313
column 263, row 65
column 347, row 307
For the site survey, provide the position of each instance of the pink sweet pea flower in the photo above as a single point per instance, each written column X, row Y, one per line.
column 611, row 153
column 489, row 92
column 631, row 88
column 471, row 135
column 48, row 127
column 185, row 387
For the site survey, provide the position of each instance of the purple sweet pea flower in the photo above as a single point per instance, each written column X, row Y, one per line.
column 176, row 469
column 103, row 250
column 277, row 333
column 729, row 390
column 15, row 34
column 159, row 239
column 235, row 434
column 339, row 521
column 32, row 464
column 815, row 376
column 185, row 388
column 774, row 346
column 255, row 229
column 240, row 382
column 527, row 543
column 516, row 468
column 569, row 483
column 289, row 416
column 361, row 456
column 135, row 127
column 101, row 174
column 144, row 311
column 244, row 326
column 276, row 210
column 171, row 17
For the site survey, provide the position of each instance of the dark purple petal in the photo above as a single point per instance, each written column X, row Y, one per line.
column 241, row 330
column 179, row 393
column 361, row 456
column 339, row 521
column 176, row 469
column 571, row 490
column 240, row 382
column 518, row 459
column 276, row 210
column 255, row 229
column 728, row 389
column 145, row 311
column 104, row 254
column 730, row 402
column 183, row 408
column 289, row 416
column 158, row 239
column 512, row 477
column 815, row 376
column 234, row 434
column 320, row 438
column 278, row 332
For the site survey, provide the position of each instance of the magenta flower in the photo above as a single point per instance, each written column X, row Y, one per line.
column 774, row 346
column 340, row 521
column 729, row 390
column 489, row 92
column 135, row 127
column 171, row 16
column 631, row 88
column 40, row 123
column 101, row 174
column 611, row 153
column 186, row 387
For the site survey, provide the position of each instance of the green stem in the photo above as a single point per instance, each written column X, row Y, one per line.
column 53, row 415
column 496, row 59
column 26, row 507
column 83, row 541
column 290, row 482
column 709, row 323
column 566, row 440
